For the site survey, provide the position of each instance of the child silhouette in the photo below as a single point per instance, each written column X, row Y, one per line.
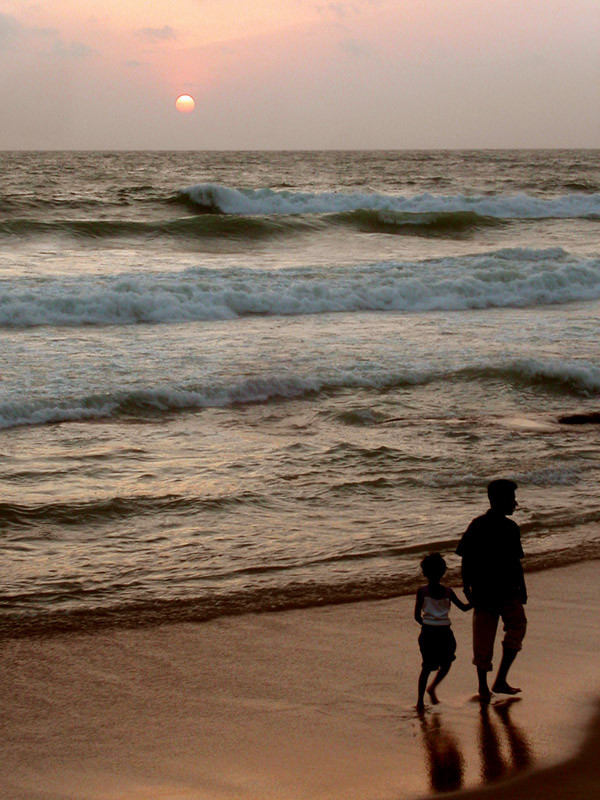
column 436, row 640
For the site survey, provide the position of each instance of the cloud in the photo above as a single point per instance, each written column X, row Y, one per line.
column 157, row 34
column 14, row 32
column 341, row 11
column 356, row 48
column 72, row 50
column 10, row 27
column 344, row 9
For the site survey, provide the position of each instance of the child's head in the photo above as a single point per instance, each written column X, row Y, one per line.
column 433, row 567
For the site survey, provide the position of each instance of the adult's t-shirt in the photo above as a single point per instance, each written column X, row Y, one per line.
column 492, row 552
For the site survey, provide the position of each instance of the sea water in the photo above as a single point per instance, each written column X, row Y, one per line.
column 246, row 381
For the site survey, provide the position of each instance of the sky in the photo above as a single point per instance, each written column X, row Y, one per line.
column 299, row 74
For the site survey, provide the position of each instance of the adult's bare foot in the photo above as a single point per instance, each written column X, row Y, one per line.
column 485, row 695
column 502, row 687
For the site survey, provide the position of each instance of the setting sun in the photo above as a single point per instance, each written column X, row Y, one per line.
column 185, row 103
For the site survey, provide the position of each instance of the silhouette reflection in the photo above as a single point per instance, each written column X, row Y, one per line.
column 495, row 762
column 503, row 747
column 444, row 758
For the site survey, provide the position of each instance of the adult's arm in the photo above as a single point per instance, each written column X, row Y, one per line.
column 522, row 587
column 467, row 581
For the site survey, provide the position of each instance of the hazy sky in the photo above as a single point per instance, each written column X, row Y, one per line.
column 299, row 74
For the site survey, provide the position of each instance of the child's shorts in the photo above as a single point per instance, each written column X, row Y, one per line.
column 437, row 645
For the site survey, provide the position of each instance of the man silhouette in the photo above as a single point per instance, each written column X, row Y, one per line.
column 493, row 582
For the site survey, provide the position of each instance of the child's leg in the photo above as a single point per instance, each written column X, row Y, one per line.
column 439, row 677
column 422, row 686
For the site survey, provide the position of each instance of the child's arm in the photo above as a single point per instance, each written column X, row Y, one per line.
column 419, row 607
column 459, row 603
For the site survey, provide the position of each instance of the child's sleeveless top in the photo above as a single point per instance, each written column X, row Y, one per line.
column 436, row 610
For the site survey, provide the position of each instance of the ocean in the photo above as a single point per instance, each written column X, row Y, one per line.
column 247, row 381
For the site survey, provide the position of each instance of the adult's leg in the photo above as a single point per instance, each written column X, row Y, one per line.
column 515, row 626
column 485, row 625
column 501, row 685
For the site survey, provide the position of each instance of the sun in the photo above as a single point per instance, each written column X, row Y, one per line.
column 185, row 103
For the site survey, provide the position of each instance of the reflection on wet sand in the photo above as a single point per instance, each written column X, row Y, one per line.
column 495, row 763
column 503, row 747
column 444, row 758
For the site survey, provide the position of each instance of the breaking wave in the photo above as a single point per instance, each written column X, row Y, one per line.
column 431, row 223
column 216, row 199
column 218, row 212
column 248, row 228
column 210, row 226
column 504, row 278
column 577, row 379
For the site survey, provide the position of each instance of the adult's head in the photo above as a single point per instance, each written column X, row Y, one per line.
column 501, row 494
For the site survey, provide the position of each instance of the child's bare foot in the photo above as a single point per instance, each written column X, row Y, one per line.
column 420, row 706
column 502, row 687
column 432, row 695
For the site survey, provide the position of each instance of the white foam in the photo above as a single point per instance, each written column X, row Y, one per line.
column 506, row 278
column 267, row 201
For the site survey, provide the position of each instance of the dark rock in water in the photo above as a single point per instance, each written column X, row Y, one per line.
column 593, row 418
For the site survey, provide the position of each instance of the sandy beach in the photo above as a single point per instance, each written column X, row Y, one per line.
column 316, row 703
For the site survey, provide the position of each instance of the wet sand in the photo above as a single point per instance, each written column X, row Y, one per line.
column 316, row 703
column 578, row 778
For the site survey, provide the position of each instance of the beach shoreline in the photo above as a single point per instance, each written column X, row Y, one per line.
column 306, row 703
